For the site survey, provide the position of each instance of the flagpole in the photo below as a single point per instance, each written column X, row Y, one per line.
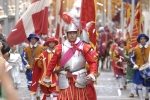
column 57, row 11
column 17, row 17
column 104, row 13
column 122, row 16
column 16, row 11
column 109, row 14
column 132, row 16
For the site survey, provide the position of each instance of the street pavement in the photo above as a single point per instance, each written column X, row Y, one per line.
column 106, row 88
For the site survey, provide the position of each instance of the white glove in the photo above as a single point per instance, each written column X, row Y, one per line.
column 110, row 52
column 135, row 66
column 90, row 78
column 27, row 66
column 120, row 60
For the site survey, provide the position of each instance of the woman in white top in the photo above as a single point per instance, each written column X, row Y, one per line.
column 16, row 63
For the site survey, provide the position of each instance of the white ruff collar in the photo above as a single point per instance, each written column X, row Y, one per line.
column 146, row 45
column 68, row 44
column 31, row 46
column 121, row 48
column 50, row 51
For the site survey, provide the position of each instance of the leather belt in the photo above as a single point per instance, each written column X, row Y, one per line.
column 74, row 73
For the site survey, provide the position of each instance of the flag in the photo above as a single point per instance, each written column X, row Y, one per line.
column 127, row 36
column 59, row 28
column 34, row 20
column 128, row 39
column 88, row 15
column 128, row 13
column 137, row 29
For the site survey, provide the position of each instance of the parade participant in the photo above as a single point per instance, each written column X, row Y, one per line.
column 120, row 68
column 100, row 32
column 111, row 52
column 139, row 57
column 39, row 72
column 73, row 78
column 16, row 62
column 130, row 71
column 30, row 53
column 102, row 41
column 105, row 37
column 23, row 45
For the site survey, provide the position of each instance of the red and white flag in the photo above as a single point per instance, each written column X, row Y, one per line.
column 59, row 11
column 34, row 20
column 60, row 22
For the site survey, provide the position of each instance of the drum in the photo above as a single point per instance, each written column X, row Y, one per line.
column 145, row 70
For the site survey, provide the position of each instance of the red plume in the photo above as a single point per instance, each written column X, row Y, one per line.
column 67, row 19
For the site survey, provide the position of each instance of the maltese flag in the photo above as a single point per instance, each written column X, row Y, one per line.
column 34, row 20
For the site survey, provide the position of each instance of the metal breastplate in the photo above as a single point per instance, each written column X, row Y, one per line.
column 77, row 61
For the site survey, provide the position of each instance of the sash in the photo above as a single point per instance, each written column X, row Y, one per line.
column 143, row 54
column 33, row 54
column 69, row 54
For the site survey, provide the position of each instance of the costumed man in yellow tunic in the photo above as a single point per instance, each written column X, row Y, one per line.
column 39, row 72
column 139, row 58
column 29, row 56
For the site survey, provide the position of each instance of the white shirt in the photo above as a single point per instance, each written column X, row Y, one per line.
column 15, row 58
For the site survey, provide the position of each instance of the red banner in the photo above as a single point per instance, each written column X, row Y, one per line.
column 87, row 15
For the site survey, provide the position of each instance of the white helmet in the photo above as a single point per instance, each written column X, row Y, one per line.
column 71, row 27
column 101, row 29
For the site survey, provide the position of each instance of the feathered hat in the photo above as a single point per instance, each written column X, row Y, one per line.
column 70, row 24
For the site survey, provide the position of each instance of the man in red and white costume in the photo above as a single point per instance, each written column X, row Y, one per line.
column 118, row 56
column 73, row 55
column 39, row 72
column 104, row 38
